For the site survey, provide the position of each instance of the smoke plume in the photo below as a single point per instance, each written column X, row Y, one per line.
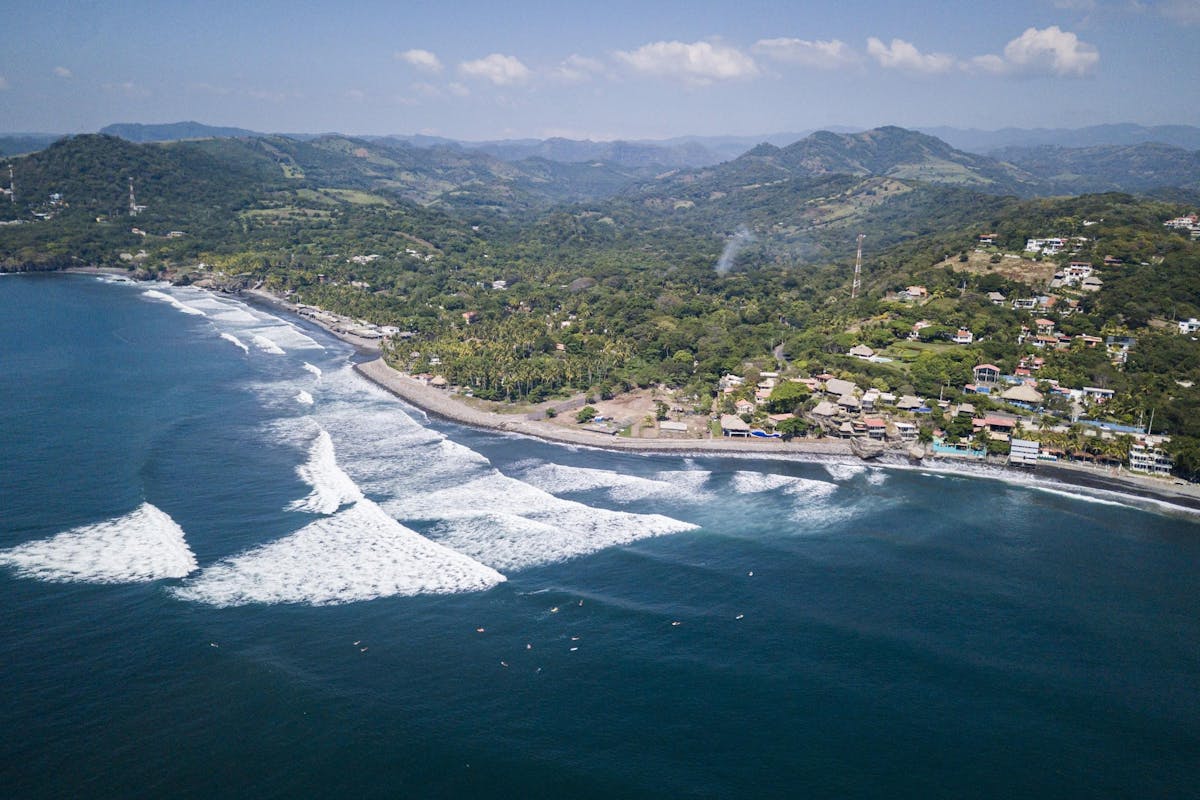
column 736, row 242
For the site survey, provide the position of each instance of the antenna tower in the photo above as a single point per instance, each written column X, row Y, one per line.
column 857, row 284
column 12, row 186
column 133, row 209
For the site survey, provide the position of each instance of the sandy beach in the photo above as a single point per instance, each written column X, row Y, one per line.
column 446, row 405
column 441, row 403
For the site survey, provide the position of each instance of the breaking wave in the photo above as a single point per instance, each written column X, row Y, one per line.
column 358, row 554
column 513, row 525
column 235, row 341
column 313, row 369
column 144, row 545
column 681, row 485
column 155, row 294
column 844, row 472
column 1077, row 494
column 331, row 487
column 266, row 345
column 304, row 398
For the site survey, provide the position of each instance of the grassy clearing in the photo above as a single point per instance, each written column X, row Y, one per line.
column 1021, row 270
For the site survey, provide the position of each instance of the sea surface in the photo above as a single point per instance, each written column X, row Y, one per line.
column 230, row 567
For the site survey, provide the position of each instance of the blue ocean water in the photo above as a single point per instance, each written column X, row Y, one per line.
column 230, row 567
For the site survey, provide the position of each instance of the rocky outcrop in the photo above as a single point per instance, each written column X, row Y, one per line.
column 867, row 448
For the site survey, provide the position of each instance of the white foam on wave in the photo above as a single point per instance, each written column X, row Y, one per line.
column 287, row 336
column 304, row 398
column 155, row 294
column 416, row 474
column 1077, row 494
column 877, row 477
column 144, row 545
column 509, row 524
column 313, row 369
column 358, row 554
column 844, row 472
column 235, row 341
column 266, row 345
column 561, row 479
column 331, row 487
column 745, row 482
column 236, row 315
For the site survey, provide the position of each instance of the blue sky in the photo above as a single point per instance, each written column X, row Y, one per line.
column 602, row 70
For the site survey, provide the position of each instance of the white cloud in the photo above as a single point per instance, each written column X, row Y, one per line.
column 127, row 88
column 458, row 90
column 500, row 69
column 426, row 89
column 1049, row 51
column 357, row 95
column 63, row 72
column 697, row 63
column 421, row 59
column 1186, row 12
column 903, row 55
column 4, row 84
column 821, row 55
column 577, row 68
column 270, row 96
column 1076, row 5
column 208, row 88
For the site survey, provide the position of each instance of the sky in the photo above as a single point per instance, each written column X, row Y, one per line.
column 648, row 69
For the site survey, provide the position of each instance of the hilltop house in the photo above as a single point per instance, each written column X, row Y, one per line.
column 1023, row 393
column 839, row 388
column 963, row 336
column 986, row 373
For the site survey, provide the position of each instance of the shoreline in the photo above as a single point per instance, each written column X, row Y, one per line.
column 443, row 405
column 439, row 403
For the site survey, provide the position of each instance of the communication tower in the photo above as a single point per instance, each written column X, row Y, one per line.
column 857, row 284
column 133, row 206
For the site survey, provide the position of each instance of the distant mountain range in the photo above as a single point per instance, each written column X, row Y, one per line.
column 977, row 141
column 520, row 174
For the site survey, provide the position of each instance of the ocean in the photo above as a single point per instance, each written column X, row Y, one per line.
column 231, row 567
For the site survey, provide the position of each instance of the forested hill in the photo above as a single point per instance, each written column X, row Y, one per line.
column 1107, row 168
column 882, row 152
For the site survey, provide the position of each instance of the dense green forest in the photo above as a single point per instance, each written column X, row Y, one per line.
column 596, row 277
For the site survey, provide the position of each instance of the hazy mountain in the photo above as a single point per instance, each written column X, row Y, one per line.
column 16, row 144
column 1103, row 168
column 172, row 131
column 883, row 152
column 978, row 141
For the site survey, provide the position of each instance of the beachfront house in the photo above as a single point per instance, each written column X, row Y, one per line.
column 733, row 425
column 1147, row 455
column 1023, row 451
